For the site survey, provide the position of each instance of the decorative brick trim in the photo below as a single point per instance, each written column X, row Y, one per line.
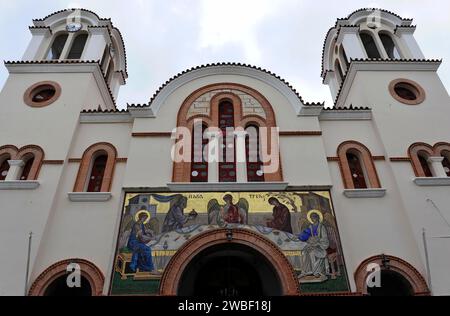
column 121, row 159
column 381, row 158
column 367, row 160
column 413, row 152
column 181, row 170
column 400, row 159
column 53, row 162
column 83, row 171
column 333, row 159
column 177, row 264
column 20, row 154
column 28, row 95
column 440, row 147
column 74, row 159
column 398, row 265
column 88, row 270
column 151, row 134
column 300, row 133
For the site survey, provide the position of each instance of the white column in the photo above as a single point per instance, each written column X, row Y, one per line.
column 96, row 43
column 214, row 150
column 407, row 39
column 38, row 45
column 331, row 80
column 241, row 161
column 438, row 168
column 15, row 167
column 352, row 44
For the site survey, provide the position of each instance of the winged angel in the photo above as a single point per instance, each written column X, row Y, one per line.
column 229, row 213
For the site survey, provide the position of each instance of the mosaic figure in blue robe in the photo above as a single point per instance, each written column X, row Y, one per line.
column 137, row 243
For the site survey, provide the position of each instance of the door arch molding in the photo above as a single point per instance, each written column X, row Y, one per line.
column 174, row 270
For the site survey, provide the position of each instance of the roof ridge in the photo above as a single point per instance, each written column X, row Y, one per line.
column 218, row 64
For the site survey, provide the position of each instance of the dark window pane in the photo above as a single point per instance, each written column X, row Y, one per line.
column 26, row 169
column 77, row 47
column 4, row 167
column 57, row 47
column 370, row 46
column 356, row 169
column 425, row 167
column 97, row 174
column 389, row 46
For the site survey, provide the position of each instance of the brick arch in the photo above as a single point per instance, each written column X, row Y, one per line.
column 85, row 165
column 88, row 270
column 19, row 154
column 181, row 170
column 182, row 113
column 38, row 154
column 440, row 147
column 367, row 160
column 396, row 264
column 413, row 152
column 176, row 266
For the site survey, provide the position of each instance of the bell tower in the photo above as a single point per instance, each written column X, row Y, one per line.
column 366, row 34
column 75, row 61
column 371, row 59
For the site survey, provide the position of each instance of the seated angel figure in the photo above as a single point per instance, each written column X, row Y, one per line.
column 229, row 213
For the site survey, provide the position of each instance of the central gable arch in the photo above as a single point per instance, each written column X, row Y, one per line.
column 265, row 76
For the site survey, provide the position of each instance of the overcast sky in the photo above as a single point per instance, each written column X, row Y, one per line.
column 165, row 37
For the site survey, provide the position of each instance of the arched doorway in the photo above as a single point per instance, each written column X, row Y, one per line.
column 229, row 269
column 398, row 278
column 58, row 287
column 229, row 262
column 52, row 282
column 392, row 284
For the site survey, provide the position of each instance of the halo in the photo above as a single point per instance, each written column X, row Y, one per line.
column 319, row 213
column 136, row 216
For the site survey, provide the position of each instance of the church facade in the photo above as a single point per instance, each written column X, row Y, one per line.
column 226, row 183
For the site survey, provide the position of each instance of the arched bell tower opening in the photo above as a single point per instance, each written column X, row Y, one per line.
column 229, row 262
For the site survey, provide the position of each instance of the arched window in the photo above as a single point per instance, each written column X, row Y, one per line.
column 199, row 162
column 253, row 154
column 4, row 167
column 78, row 46
column 369, row 45
column 423, row 158
column 227, row 165
column 57, row 47
column 419, row 154
column 26, row 169
column 357, row 166
column 235, row 107
column 338, row 70
column 389, row 46
column 96, row 168
column 357, row 170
